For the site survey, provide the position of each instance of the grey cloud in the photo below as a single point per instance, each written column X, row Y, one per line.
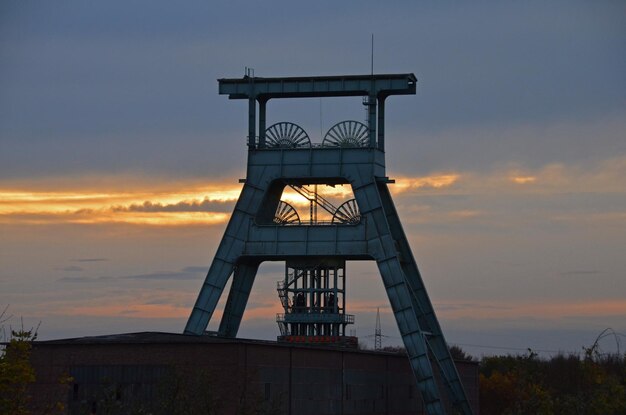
column 159, row 301
column 195, row 269
column 205, row 205
column 90, row 259
column 252, row 305
column 161, row 276
column 465, row 306
column 72, row 268
column 85, row 279
column 187, row 273
column 117, row 87
column 580, row 272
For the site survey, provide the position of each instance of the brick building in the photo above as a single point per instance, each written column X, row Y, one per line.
column 174, row 373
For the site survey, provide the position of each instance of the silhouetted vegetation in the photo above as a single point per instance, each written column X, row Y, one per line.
column 459, row 354
column 17, row 373
column 564, row 384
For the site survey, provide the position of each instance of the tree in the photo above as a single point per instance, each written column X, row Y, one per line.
column 459, row 354
column 16, row 372
column 593, row 385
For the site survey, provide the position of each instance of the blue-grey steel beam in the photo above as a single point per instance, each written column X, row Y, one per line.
column 251, row 123
column 227, row 256
column 243, row 279
column 371, row 117
column 262, row 121
column 381, row 123
column 422, row 305
column 318, row 86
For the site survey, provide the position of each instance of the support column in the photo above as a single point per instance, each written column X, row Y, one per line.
column 210, row 293
column 371, row 103
column 243, row 279
column 381, row 123
column 262, row 107
column 251, row 123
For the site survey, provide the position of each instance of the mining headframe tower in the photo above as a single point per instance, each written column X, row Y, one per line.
column 265, row 228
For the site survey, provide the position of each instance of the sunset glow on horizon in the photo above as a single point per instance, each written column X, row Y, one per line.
column 121, row 161
column 161, row 206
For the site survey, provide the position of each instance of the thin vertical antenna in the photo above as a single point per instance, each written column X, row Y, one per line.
column 321, row 125
column 366, row 100
column 378, row 335
column 372, row 62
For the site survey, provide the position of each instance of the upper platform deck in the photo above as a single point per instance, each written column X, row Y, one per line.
column 377, row 85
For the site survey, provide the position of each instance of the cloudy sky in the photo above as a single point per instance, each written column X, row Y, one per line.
column 119, row 161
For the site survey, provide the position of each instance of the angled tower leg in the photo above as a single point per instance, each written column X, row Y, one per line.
column 243, row 279
column 383, row 248
column 422, row 305
column 412, row 335
column 227, row 255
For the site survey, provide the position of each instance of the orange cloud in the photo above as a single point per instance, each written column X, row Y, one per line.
column 128, row 310
column 523, row 179
column 171, row 204
column 437, row 181
column 148, row 206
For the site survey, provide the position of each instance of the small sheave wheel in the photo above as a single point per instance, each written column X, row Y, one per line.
column 347, row 213
column 347, row 134
column 286, row 214
column 286, row 135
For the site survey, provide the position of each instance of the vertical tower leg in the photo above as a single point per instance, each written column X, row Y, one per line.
column 243, row 279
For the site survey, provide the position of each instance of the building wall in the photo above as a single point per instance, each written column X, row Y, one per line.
column 229, row 377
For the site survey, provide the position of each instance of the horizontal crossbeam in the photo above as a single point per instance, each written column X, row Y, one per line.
column 318, row 86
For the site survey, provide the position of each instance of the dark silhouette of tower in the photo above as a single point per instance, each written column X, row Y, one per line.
column 265, row 228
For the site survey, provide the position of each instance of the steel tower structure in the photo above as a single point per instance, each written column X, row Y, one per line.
column 313, row 298
column 260, row 230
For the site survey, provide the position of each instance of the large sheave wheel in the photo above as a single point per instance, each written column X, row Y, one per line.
column 347, row 134
column 286, row 135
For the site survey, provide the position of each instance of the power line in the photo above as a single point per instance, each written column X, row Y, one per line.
column 483, row 346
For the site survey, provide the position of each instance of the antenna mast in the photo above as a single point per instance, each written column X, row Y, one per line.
column 378, row 336
column 372, row 62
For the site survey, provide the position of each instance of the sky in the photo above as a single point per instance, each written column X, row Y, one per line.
column 119, row 161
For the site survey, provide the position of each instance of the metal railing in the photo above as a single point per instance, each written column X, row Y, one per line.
column 314, row 318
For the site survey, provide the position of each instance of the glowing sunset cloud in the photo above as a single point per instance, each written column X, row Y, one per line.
column 404, row 184
column 523, row 179
column 155, row 218
column 136, row 309
column 450, row 310
column 185, row 203
column 336, row 194
column 128, row 310
column 161, row 207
